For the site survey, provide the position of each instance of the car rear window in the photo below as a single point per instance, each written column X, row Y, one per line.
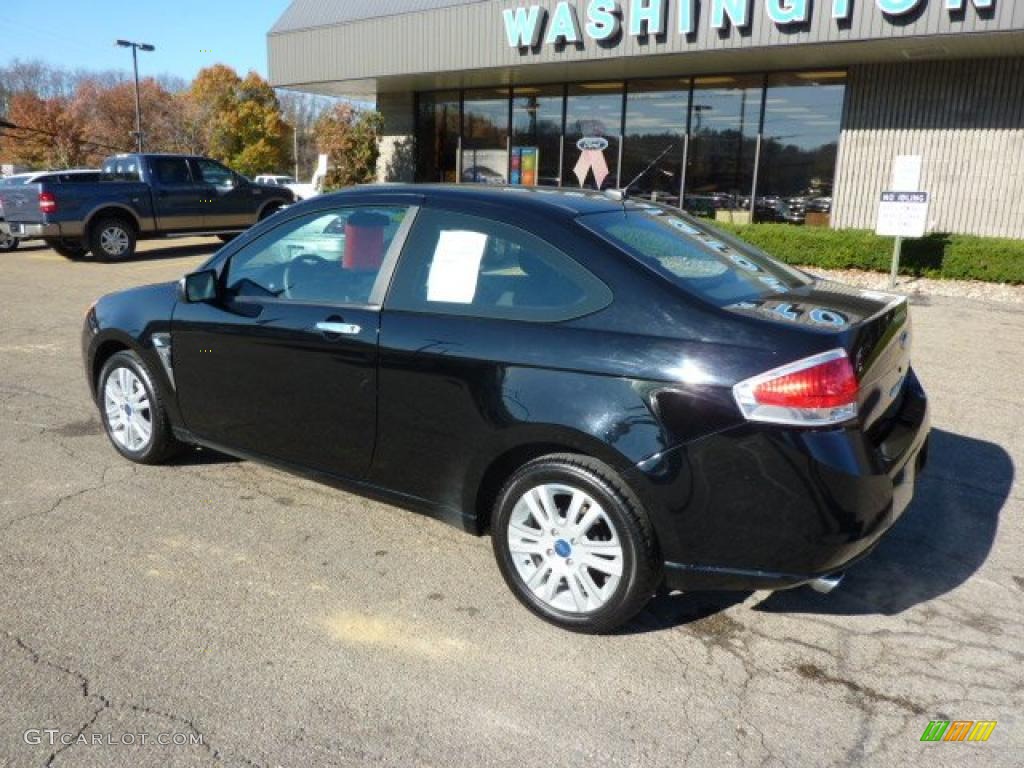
column 121, row 169
column 700, row 260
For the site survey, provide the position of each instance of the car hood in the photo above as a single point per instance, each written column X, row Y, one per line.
column 138, row 311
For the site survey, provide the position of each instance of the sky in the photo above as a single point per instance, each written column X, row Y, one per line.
column 188, row 34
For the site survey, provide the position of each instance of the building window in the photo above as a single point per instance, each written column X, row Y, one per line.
column 437, row 136
column 537, row 135
column 656, row 112
column 720, row 132
column 802, row 119
column 724, row 120
column 593, row 130
column 485, row 136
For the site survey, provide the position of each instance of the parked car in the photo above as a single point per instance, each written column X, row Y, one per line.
column 819, row 205
column 272, row 180
column 481, row 174
column 315, row 186
column 622, row 396
column 8, row 242
column 137, row 197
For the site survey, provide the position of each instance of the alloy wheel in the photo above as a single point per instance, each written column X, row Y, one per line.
column 127, row 409
column 114, row 241
column 565, row 548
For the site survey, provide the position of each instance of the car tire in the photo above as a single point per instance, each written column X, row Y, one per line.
column 69, row 249
column 132, row 411
column 591, row 564
column 8, row 242
column 112, row 238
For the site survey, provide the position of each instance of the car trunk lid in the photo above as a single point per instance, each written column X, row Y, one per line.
column 873, row 328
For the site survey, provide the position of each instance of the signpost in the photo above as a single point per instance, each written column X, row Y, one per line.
column 903, row 211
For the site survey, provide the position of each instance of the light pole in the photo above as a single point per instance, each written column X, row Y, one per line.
column 136, row 47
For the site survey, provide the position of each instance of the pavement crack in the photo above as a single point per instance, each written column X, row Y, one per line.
column 818, row 675
column 105, row 703
column 56, row 504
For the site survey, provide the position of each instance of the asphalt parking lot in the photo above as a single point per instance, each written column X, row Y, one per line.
column 287, row 624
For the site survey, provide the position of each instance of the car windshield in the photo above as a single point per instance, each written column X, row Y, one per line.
column 700, row 260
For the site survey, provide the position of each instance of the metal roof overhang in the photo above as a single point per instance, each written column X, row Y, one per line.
column 732, row 61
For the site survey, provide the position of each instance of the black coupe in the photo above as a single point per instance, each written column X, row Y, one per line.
column 624, row 397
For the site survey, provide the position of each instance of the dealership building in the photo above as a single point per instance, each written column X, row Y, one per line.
column 786, row 110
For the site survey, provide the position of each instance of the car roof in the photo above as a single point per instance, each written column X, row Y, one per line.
column 567, row 202
column 26, row 177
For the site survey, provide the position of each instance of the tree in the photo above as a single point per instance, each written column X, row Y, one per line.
column 239, row 121
column 48, row 135
column 107, row 116
column 351, row 139
column 301, row 111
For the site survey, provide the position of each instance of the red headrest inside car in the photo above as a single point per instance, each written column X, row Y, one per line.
column 364, row 241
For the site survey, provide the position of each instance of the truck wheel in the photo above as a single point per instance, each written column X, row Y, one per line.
column 69, row 249
column 269, row 211
column 8, row 242
column 112, row 238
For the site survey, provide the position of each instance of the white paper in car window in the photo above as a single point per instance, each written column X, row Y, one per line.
column 456, row 267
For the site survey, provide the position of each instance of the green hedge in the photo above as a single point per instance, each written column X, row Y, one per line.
column 963, row 257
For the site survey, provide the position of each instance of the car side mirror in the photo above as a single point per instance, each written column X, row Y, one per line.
column 199, row 287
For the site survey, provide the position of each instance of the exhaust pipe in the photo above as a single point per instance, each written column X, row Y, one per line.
column 825, row 584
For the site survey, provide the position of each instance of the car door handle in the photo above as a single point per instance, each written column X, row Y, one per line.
column 330, row 328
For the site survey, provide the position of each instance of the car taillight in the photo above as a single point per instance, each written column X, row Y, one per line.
column 817, row 391
column 47, row 202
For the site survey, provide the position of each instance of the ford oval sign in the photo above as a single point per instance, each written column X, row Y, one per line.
column 592, row 143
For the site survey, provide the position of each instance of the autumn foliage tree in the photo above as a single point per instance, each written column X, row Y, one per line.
column 350, row 138
column 48, row 135
column 70, row 119
column 240, row 120
column 107, row 116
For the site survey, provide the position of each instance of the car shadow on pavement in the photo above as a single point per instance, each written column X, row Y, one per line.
column 944, row 537
column 197, row 457
column 701, row 612
column 163, row 254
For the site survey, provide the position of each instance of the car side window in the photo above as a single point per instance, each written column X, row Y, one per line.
column 460, row 264
column 169, row 171
column 215, row 173
column 122, row 169
column 325, row 257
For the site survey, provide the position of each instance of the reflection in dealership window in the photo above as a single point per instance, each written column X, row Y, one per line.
column 437, row 136
column 803, row 113
column 594, row 112
column 536, row 135
column 485, row 136
column 724, row 119
column 655, row 133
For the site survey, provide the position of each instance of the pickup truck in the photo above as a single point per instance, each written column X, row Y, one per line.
column 139, row 197
column 9, row 242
